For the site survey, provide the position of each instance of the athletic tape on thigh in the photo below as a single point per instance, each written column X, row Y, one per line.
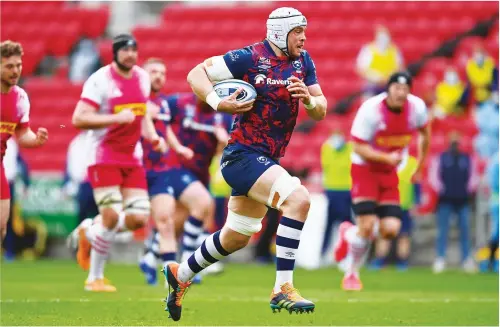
column 389, row 210
column 139, row 205
column 109, row 197
column 364, row 208
column 242, row 224
column 282, row 188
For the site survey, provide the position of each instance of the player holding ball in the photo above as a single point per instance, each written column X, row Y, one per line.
column 283, row 74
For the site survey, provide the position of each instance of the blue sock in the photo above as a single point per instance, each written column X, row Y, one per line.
column 167, row 257
column 287, row 243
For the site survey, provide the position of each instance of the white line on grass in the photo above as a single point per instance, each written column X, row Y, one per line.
column 257, row 299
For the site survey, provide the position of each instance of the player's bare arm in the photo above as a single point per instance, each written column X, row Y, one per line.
column 311, row 96
column 202, row 85
column 424, row 138
column 149, row 131
column 29, row 139
column 367, row 152
column 176, row 145
column 86, row 117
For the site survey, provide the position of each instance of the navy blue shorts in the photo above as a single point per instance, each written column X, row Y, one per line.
column 406, row 223
column 157, row 183
column 339, row 205
column 178, row 179
column 241, row 166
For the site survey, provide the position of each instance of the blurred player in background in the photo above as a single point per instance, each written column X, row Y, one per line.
column 220, row 190
column 14, row 118
column 75, row 182
column 14, row 166
column 205, row 132
column 493, row 179
column 283, row 74
column 381, row 131
column 408, row 194
column 156, row 164
column 114, row 105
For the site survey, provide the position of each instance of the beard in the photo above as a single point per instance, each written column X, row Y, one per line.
column 8, row 82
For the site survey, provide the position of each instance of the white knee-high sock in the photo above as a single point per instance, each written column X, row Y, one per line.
column 101, row 239
column 357, row 247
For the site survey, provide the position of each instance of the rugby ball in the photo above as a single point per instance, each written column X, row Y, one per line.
column 228, row 87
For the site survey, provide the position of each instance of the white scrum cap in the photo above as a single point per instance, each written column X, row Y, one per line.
column 280, row 22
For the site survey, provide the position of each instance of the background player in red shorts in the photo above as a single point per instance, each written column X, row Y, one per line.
column 113, row 105
column 381, row 131
column 14, row 118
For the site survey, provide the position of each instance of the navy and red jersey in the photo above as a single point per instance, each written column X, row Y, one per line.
column 268, row 127
column 154, row 160
column 193, row 123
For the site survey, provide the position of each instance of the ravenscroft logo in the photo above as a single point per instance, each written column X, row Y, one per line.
column 139, row 109
column 8, row 128
column 260, row 79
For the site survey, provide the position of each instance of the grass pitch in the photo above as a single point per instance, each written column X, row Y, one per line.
column 51, row 293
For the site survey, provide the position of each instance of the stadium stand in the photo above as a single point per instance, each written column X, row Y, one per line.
column 336, row 32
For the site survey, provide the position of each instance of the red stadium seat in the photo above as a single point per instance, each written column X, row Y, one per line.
column 336, row 33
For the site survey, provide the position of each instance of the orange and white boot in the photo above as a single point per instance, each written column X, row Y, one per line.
column 351, row 282
column 99, row 285
column 84, row 247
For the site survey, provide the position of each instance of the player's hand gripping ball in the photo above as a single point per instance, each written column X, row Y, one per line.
column 237, row 96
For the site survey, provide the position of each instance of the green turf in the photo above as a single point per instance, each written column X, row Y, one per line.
column 51, row 293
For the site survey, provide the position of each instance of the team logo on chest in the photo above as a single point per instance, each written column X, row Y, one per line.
column 297, row 64
column 264, row 64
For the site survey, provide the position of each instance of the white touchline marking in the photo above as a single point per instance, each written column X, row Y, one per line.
column 257, row 299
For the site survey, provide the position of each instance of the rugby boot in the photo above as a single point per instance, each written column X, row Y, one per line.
column 290, row 299
column 176, row 289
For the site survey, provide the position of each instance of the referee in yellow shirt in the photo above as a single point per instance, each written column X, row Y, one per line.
column 336, row 166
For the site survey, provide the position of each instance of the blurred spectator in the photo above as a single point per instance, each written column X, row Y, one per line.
column 409, row 196
column 220, row 191
column 14, row 166
column 487, row 121
column 451, row 95
column 482, row 75
column 84, row 61
column 493, row 176
column 377, row 60
column 454, row 176
column 336, row 166
column 75, row 183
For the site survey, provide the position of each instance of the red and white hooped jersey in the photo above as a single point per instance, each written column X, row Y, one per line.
column 387, row 130
column 111, row 93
